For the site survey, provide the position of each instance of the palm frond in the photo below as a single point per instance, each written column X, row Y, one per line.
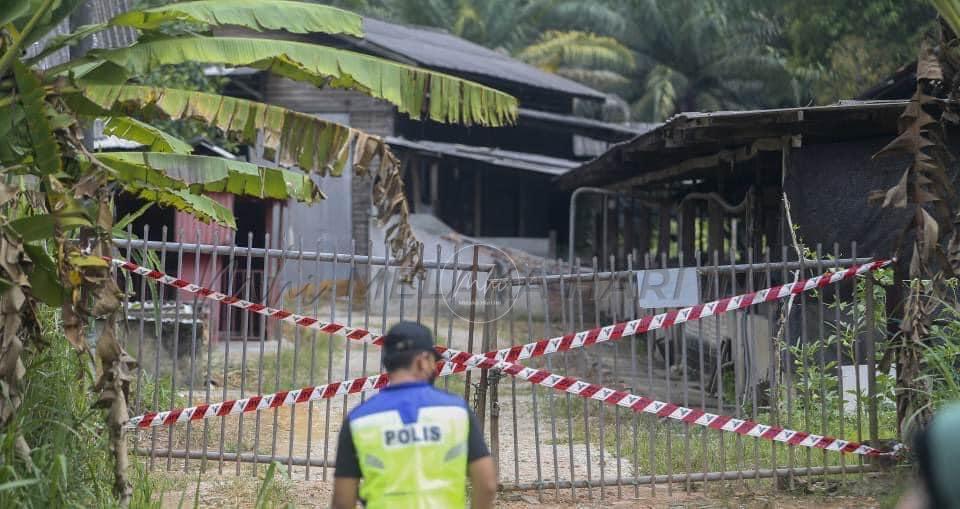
column 578, row 49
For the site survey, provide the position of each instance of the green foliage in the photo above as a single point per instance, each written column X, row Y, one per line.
column 412, row 90
column 156, row 139
column 210, row 174
column 847, row 46
column 71, row 462
column 46, row 151
column 598, row 61
column 295, row 17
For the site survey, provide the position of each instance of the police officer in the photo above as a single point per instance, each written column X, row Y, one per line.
column 412, row 445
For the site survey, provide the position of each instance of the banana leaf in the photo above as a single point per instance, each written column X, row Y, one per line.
column 412, row 90
column 295, row 17
column 46, row 151
column 202, row 207
column 210, row 174
column 140, row 132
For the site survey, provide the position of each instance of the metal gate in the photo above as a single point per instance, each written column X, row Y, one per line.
column 812, row 369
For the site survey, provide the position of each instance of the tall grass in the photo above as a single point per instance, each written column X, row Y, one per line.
column 72, row 466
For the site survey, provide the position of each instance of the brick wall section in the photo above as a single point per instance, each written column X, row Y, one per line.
column 371, row 115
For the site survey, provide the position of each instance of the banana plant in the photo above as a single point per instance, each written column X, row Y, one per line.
column 56, row 217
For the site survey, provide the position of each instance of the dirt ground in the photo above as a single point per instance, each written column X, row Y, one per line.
column 231, row 491
column 544, row 451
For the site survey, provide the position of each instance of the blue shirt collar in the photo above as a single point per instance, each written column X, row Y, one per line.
column 406, row 385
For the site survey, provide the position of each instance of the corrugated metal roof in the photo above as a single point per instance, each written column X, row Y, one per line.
column 438, row 49
column 494, row 156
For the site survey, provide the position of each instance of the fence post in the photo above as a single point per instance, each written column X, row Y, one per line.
column 871, row 355
column 470, row 325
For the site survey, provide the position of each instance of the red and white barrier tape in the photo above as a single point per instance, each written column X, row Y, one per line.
column 539, row 347
column 542, row 377
column 457, row 361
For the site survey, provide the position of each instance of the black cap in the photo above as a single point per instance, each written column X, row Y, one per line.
column 408, row 337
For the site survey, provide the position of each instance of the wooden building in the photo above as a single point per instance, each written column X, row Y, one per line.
column 715, row 182
column 482, row 182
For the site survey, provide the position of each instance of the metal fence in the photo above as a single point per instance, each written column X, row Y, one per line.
column 812, row 369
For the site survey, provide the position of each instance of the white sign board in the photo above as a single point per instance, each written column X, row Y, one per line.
column 668, row 288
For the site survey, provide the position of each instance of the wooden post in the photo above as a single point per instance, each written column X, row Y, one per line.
column 415, row 184
column 629, row 213
column 663, row 235
column 715, row 235
column 435, row 187
column 477, row 203
column 643, row 232
column 688, row 223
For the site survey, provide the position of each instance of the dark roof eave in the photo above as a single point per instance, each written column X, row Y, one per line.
column 681, row 132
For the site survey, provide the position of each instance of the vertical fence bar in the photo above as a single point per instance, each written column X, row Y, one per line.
column 451, row 301
column 261, row 339
column 470, row 325
column 533, row 392
column 634, row 375
column 840, row 340
column 314, row 339
column 297, row 339
column 329, row 401
column 143, row 314
column 804, row 361
column 822, row 347
column 617, row 311
column 601, row 411
column 280, row 264
column 368, row 286
column 784, row 348
column 752, row 370
column 214, row 326
column 348, row 344
column 158, row 333
column 513, row 384
column 871, row 354
column 550, row 396
column 193, row 342
column 650, row 340
column 176, row 352
column 719, row 366
column 857, row 357
column 667, row 378
column 568, row 325
column 736, row 349
column 774, row 372
column 226, row 349
column 245, row 324
column 704, row 384
column 586, row 403
column 686, row 391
